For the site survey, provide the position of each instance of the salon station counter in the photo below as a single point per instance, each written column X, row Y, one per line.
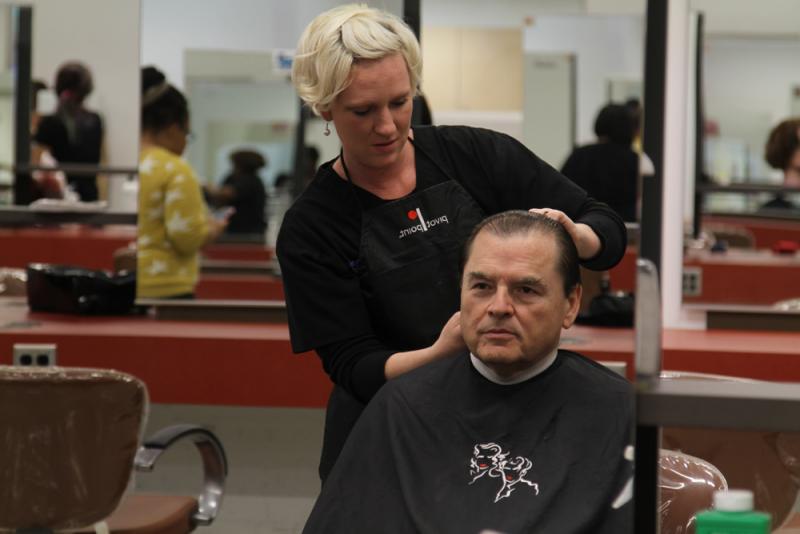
column 251, row 364
column 230, row 270
column 94, row 247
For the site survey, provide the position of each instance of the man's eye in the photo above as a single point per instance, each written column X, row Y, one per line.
column 399, row 103
column 526, row 290
column 480, row 286
column 361, row 112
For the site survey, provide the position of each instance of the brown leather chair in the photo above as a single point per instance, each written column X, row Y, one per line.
column 13, row 282
column 767, row 463
column 70, row 439
column 687, row 485
column 125, row 259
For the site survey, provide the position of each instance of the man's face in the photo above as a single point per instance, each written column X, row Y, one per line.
column 513, row 305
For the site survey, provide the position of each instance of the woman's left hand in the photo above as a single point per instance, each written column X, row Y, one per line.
column 586, row 241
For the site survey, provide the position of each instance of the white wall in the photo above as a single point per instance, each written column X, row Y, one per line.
column 497, row 13
column 171, row 26
column 605, row 47
column 104, row 34
column 748, row 88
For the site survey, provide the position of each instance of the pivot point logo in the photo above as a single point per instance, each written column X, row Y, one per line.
column 422, row 224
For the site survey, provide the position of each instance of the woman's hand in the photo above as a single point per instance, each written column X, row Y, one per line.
column 450, row 340
column 586, row 241
column 449, row 343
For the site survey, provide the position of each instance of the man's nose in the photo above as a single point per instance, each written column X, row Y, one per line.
column 501, row 302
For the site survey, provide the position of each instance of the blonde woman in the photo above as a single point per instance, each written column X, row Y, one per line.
column 370, row 252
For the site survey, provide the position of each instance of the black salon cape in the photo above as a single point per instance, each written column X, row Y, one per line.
column 441, row 449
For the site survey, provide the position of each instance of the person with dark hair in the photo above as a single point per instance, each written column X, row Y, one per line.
column 244, row 192
column 73, row 134
column 511, row 435
column 174, row 223
column 782, row 152
column 369, row 252
column 609, row 169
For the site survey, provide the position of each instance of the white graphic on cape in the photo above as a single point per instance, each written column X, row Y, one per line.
column 489, row 459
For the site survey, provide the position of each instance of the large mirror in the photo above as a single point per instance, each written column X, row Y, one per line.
column 746, row 215
column 94, row 125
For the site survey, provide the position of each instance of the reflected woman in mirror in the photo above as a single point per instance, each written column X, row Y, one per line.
column 609, row 169
column 244, row 193
column 73, row 134
column 783, row 153
column 174, row 222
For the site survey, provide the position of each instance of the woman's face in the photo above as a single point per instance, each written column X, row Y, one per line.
column 791, row 175
column 372, row 116
column 174, row 138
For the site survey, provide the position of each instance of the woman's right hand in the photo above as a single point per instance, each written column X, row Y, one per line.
column 215, row 228
column 450, row 340
column 449, row 343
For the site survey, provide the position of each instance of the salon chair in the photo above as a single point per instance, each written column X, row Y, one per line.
column 687, row 485
column 70, row 441
column 767, row 463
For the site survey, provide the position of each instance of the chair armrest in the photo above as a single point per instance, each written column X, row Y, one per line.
column 215, row 464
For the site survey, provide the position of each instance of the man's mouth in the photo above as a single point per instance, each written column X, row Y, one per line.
column 499, row 333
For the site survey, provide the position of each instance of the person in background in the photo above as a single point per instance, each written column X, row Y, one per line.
column 284, row 191
column 512, row 434
column 174, row 223
column 244, row 192
column 782, row 152
column 370, row 251
column 73, row 134
column 47, row 183
column 646, row 167
column 608, row 170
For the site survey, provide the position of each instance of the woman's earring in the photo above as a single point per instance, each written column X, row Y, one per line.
column 327, row 128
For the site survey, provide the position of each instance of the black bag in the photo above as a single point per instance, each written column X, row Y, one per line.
column 609, row 309
column 65, row 289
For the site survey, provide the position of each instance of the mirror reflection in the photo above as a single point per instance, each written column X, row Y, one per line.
column 747, row 221
column 80, row 101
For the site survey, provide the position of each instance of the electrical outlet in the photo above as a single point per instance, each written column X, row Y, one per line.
column 35, row 354
column 692, row 281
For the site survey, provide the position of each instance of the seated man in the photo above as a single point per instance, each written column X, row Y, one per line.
column 516, row 436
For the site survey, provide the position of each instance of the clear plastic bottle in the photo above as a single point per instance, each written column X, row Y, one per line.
column 732, row 514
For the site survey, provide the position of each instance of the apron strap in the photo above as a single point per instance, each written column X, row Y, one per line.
column 416, row 147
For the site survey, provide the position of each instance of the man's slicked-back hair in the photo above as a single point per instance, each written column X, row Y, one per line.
column 337, row 39
column 522, row 223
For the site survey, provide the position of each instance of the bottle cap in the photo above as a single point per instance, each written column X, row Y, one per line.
column 733, row 500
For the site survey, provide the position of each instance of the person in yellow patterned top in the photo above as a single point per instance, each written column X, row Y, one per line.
column 174, row 222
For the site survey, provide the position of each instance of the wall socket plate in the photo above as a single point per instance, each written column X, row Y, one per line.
column 692, row 281
column 35, row 354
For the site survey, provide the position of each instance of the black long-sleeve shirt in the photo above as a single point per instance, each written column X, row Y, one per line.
column 320, row 236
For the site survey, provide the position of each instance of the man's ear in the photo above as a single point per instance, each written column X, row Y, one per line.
column 326, row 115
column 572, row 306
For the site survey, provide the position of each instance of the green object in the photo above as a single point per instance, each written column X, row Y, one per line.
column 716, row 522
column 733, row 515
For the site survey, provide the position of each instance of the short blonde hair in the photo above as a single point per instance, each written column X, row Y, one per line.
column 339, row 37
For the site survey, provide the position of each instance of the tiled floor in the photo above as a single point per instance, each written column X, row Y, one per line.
column 272, row 454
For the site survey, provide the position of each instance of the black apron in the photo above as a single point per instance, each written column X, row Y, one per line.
column 408, row 267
